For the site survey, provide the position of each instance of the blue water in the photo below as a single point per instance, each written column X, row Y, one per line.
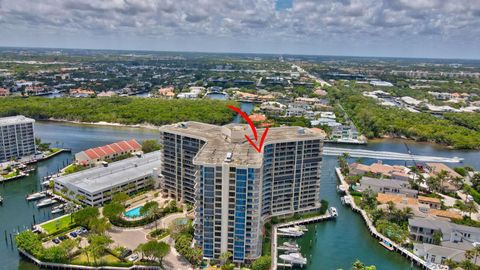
column 133, row 213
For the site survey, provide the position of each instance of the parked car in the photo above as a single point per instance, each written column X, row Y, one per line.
column 133, row 258
column 63, row 237
column 73, row 234
column 126, row 253
column 56, row 241
column 82, row 231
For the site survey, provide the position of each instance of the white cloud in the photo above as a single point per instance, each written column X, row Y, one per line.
column 307, row 21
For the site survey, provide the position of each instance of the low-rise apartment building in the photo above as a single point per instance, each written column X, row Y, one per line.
column 94, row 155
column 97, row 185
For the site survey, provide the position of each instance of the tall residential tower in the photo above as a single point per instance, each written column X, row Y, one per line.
column 235, row 189
column 17, row 138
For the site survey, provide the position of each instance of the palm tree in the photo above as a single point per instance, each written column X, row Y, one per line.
column 442, row 176
column 458, row 182
column 433, row 184
column 471, row 207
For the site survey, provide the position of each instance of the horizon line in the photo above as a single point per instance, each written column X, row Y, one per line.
column 230, row 52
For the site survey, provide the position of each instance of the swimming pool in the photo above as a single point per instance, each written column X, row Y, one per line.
column 133, row 213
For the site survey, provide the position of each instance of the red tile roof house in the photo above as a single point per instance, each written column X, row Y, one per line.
column 379, row 169
column 435, row 168
column 92, row 156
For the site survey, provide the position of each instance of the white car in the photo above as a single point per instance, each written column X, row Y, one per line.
column 133, row 258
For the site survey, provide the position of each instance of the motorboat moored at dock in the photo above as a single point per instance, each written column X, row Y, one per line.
column 294, row 258
column 386, row 245
column 46, row 202
column 289, row 247
column 290, row 232
column 36, row 196
column 333, row 211
column 58, row 209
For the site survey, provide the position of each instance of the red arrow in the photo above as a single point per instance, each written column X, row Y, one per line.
column 254, row 129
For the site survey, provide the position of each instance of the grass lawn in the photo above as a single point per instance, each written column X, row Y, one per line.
column 105, row 259
column 73, row 168
column 58, row 225
column 54, row 150
column 11, row 174
column 357, row 199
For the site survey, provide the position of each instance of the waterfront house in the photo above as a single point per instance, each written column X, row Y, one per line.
column 345, row 133
column 422, row 230
column 438, row 254
column 381, row 170
column 272, row 107
column 433, row 203
column 434, row 169
column 386, row 186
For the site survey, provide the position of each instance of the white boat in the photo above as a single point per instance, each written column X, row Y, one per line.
column 289, row 247
column 36, row 196
column 294, row 258
column 46, row 202
column 57, row 210
column 333, row 211
column 1, row 200
column 342, row 188
column 290, row 231
column 346, row 200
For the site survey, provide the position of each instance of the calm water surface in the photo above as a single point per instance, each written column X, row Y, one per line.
column 332, row 244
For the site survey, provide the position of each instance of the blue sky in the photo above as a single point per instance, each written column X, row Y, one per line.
column 405, row 28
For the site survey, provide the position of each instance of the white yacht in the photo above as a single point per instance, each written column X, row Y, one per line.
column 46, row 202
column 294, row 258
column 333, row 211
column 290, row 231
column 289, row 247
column 58, row 209
column 36, row 196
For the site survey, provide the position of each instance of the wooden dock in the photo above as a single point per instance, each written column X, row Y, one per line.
column 274, row 244
column 373, row 231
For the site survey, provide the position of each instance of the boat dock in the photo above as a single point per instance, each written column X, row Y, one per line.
column 275, row 233
column 373, row 231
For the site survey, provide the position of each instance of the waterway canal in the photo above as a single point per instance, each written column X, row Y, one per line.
column 332, row 245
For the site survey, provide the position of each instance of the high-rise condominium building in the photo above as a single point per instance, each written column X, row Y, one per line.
column 235, row 189
column 17, row 138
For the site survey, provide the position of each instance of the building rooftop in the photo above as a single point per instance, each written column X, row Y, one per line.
column 12, row 120
column 116, row 173
column 221, row 140
column 438, row 224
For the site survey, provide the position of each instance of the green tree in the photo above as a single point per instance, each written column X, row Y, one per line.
column 437, row 237
column 262, row 263
column 84, row 216
column 150, row 146
column 99, row 225
column 56, row 254
column 358, row 265
column 98, row 245
column 69, row 246
column 120, row 197
column 113, row 210
column 30, row 242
